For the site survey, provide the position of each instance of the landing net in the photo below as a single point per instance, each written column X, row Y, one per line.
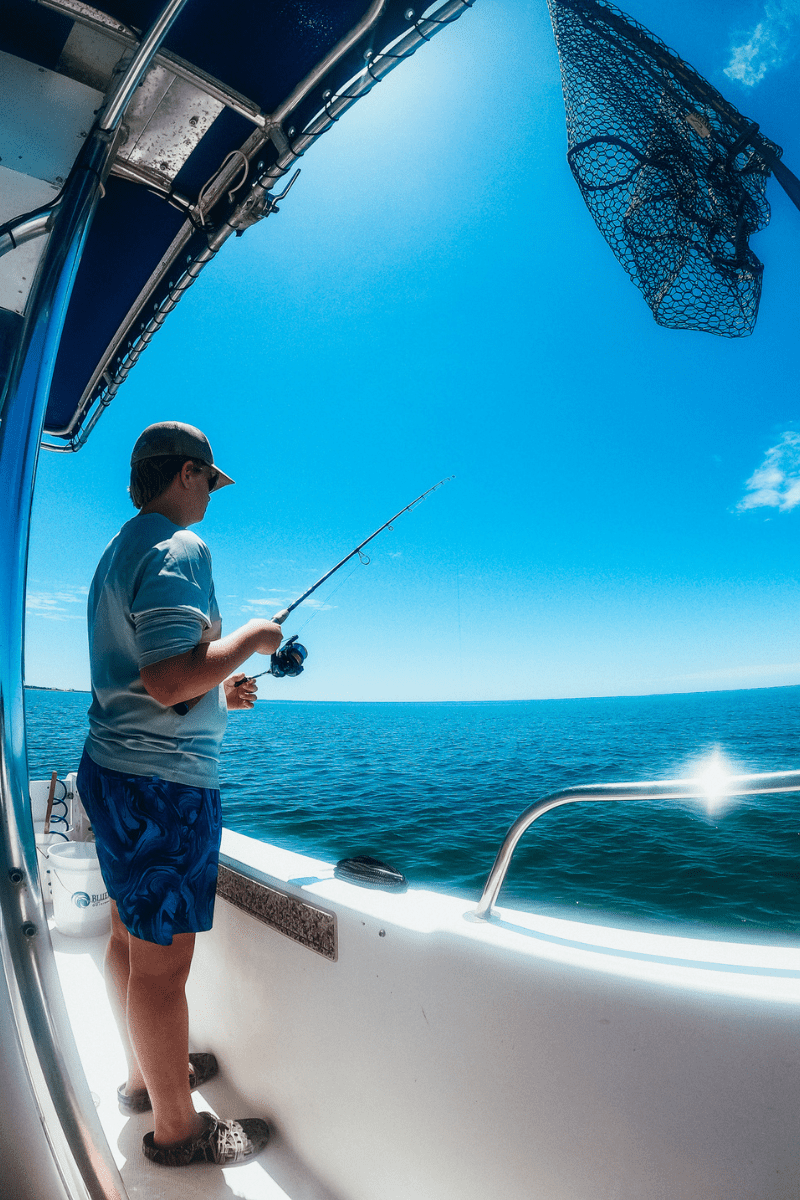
column 673, row 175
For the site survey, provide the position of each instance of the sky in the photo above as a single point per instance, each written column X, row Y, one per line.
column 434, row 300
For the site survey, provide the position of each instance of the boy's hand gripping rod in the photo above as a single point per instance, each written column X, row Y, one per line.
column 280, row 617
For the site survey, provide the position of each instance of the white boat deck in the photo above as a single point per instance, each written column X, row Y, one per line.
column 435, row 1057
column 274, row 1175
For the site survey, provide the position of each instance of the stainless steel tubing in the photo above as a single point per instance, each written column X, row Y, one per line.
column 52, row 1142
column 26, row 231
column 65, row 1152
column 380, row 65
column 666, row 789
column 144, row 55
column 370, row 18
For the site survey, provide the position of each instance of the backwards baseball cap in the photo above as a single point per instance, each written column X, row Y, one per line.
column 185, row 441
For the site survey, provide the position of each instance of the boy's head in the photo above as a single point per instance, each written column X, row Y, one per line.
column 159, row 455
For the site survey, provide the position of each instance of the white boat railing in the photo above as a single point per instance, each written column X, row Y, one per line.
column 710, row 788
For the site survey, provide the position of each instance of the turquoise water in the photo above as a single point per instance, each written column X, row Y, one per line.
column 432, row 788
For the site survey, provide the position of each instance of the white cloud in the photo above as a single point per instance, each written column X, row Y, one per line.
column 776, row 483
column 768, row 46
column 262, row 605
column 52, row 605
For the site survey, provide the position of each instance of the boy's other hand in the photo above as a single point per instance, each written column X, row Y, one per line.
column 243, row 696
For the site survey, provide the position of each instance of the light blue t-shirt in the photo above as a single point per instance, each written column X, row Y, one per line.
column 152, row 597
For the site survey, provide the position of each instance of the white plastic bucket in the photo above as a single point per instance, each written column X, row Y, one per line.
column 81, row 906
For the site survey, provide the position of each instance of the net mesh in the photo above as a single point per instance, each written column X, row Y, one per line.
column 673, row 175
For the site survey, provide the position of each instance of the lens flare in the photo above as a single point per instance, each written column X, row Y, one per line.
column 713, row 774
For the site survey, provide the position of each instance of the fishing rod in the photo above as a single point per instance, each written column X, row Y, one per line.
column 289, row 659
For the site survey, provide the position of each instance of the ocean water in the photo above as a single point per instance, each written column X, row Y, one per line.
column 432, row 788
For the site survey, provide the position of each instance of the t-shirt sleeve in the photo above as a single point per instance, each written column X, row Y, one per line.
column 171, row 608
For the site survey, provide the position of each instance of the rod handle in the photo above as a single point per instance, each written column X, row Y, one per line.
column 280, row 617
column 50, row 795
column 250, row 678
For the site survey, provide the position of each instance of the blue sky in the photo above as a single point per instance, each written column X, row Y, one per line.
column 434, row 299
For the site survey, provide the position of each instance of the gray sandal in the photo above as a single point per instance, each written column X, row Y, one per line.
column 203, row 1068
column 221, row 1142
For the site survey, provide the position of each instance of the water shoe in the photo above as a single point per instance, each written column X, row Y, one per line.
column 221, row 1142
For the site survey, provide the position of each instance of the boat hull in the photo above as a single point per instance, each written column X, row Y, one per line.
column 444, row 1058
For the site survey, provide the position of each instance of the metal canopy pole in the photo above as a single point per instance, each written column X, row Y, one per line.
column 259, row 201
column 52, row 1138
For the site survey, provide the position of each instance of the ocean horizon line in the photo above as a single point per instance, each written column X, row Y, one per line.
column 776, row 687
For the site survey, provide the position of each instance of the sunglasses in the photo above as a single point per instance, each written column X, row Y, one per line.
column 211, row 477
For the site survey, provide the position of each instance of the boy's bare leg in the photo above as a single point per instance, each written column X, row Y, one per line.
column 152, row 1017
column 117, row 972
column 158, row 1025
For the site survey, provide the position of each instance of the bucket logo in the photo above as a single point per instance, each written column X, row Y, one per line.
column 84, row 900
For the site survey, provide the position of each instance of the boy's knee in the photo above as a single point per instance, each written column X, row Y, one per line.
column 164, row 963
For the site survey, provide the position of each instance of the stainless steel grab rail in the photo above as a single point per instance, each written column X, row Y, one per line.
column 41, row 1083
column 664, row 789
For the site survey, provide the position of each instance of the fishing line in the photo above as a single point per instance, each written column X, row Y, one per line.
column 330, row 594
column 458, row 608
column 289, row 659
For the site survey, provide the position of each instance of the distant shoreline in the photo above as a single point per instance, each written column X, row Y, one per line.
column 37, row 687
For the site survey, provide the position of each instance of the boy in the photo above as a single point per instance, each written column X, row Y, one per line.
column 161, row 685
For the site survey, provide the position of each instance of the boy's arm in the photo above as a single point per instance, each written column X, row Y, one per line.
column 190, row 675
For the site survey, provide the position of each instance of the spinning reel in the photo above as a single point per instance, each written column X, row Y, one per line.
column 289, row 659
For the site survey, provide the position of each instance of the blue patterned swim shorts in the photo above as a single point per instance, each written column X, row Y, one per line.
column 158, row 848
